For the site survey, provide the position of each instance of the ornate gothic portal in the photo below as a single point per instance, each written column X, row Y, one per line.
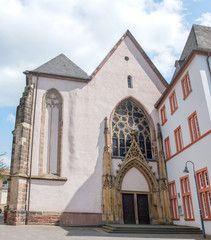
column 133, row 142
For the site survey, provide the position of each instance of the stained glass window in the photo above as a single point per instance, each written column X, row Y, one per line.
column 127, row 116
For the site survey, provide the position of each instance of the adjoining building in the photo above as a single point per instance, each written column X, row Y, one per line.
column 185, row 116
column 88, row 149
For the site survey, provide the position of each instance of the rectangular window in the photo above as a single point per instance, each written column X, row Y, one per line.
column 173, row 200
column 178, row 138
column 167, row 147
column 163, row 114
column 186, row 198
column 173, row 102
column 193, row 127
column 204, row 192
column 129, row 81
column 186, row 86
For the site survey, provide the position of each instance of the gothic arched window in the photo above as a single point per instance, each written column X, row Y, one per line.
column 128, row 116
column 51, row 133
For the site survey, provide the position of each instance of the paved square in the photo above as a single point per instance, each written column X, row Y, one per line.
column 33, row 232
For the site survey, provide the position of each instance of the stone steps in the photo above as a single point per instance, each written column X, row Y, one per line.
column 150, row 229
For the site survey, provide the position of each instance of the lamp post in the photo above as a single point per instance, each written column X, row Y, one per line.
column 187, row 171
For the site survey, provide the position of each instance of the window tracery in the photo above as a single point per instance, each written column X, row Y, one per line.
column 51, row 133
column 127, row 117
column 53, row 102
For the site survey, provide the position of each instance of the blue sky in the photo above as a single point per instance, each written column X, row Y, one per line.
column 85, row 30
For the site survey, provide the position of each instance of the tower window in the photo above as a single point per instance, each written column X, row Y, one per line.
column 129, row 82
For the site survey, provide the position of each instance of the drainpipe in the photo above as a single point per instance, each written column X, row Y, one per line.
column 31, row 151
column 208, row 63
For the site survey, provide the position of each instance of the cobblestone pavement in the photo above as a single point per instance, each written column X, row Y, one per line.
column 33, row 232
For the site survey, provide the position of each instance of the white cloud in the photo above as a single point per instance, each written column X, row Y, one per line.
column 11, row 118
column 36, row 31
column 205, row 19
column 6, row 160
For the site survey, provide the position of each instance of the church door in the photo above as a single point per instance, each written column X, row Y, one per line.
column 128, row 208
column 143, row 210
column 135, row 208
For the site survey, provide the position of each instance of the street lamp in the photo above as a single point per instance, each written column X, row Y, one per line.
column 187, row 171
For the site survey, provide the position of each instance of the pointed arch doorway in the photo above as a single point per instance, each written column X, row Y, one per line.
column 135, row 198
column 133, row 143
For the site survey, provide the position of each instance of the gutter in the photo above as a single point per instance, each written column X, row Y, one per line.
column 63, row 77
column 31, row 151
column 208, row 63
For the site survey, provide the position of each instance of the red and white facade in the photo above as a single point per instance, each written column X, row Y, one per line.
column 185, row 117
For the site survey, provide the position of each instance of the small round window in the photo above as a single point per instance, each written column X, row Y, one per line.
column 126, row 58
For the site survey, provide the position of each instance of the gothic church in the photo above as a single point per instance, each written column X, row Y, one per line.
column 88, row 150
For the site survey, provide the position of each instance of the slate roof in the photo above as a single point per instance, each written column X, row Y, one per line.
column 198, row 39
column 61, row 66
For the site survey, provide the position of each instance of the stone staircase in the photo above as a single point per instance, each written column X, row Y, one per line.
column 150, row 229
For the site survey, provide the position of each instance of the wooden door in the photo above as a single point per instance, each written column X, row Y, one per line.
column 143, row 209
column 128, row 208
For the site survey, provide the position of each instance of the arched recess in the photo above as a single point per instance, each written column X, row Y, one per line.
column 134, row 181
column 51, row 133
column 120, row 144
column 144, row 169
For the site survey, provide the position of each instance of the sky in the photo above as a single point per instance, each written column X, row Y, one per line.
column 34, row 31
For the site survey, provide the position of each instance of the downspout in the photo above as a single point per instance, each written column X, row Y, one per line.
column 208, row 63
column 31, row 151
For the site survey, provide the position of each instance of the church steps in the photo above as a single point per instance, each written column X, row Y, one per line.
column 150, row 229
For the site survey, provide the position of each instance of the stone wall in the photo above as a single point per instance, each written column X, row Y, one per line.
column 17, row 198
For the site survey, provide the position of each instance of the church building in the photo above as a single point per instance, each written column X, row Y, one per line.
column 112, row 147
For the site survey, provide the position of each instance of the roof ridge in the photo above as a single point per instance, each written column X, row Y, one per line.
column 194, row 31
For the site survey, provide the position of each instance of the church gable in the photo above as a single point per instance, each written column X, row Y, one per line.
column 127, row 57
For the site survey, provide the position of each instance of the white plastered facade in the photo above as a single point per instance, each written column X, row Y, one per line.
column 199, row 152
column 85, row 105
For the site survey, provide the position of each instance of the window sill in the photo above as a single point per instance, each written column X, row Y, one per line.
column 185, row 96
column 41, row 177
column 50, row 177
column 173, row 111
column 118, row 157
column 193, row 141
column 163, row 122
column 187, row 219
column 122, row 158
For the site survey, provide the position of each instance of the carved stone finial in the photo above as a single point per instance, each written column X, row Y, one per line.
column 106, row 132
column 159, row 137
column 159, row 131
column 106, row 125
